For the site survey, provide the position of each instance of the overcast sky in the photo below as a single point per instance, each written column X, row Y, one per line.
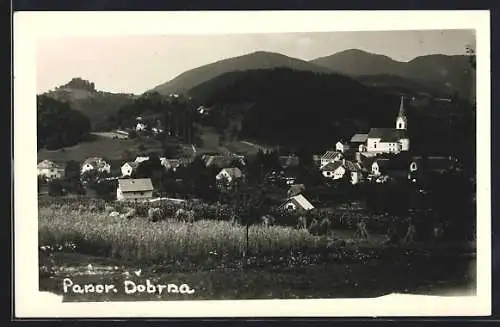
column 134, row 64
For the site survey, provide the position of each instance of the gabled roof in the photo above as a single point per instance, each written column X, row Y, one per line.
column 332, row 166
column 387, row 134
column 47, row 164
column 133, row 164
column 359, row 138
column 352, row 167
column 233, row 172
column 95, row 161
column 331, row 155
column 300, row 200
column 135, row 185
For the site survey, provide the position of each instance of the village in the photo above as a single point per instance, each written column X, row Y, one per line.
column 380, row 156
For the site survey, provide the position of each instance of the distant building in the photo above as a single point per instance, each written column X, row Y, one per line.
column 297, row 203
column 134, row 189
column 95, row 164
column 229, row 174
column 330, row 157
column 129, row 168
column 50, row 170
column 338, row 170
column 140, row 126
column 342, row 146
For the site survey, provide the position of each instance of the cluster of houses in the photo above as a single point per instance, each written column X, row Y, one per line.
column 377, row 156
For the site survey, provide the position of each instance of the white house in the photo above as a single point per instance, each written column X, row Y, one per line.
column 129, row 168
column 229, row 174
column 330, row 157
column 297, row 203
column 134, row 189
column 140, row 126
column 337, row 170
column 95, row 164
column 342, row 146
column 50, row 170
column 390, row 140
column 333, row 170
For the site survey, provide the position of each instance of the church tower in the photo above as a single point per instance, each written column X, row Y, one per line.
column 401, row 121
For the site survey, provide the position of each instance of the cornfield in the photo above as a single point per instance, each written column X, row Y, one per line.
column 141, row 240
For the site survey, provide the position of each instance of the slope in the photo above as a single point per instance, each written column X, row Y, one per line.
column 256, row 60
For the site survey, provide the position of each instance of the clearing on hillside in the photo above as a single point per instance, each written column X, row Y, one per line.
column 100, row 146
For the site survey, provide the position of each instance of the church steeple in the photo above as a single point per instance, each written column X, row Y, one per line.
column 401, row 121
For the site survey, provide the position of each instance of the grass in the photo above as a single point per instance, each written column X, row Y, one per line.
column 100, row 146
column 282, row 262
column 140, row 240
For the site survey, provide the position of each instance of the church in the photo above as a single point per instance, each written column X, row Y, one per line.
column 390, row 140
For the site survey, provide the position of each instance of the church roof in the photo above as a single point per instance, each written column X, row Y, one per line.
column 402, row 109
column 387, row 134
column 359, row 138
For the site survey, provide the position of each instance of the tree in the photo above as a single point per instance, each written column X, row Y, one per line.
column 58, row 125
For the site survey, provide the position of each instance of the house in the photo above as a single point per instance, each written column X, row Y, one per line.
column 342, row 146
column 295, row 189
column 134, row 189
column 333, row 170
column 50, row 170
column 140, row 126
column 129, row 168
column 354, row 170
column 140, row 159
column 95, row 164
column 395, row 168
column 330, row 157
column 229, row 175
column 337, row 170
column 358, row 139
column 390, row 140
column 297, row 203
column 288, row 161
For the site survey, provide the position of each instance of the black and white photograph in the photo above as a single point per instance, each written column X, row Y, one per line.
column 226, row 161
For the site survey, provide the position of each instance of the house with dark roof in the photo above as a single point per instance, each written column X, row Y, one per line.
column 390, row 140
column 134, row 189
column 394, row 168
column 337, row 170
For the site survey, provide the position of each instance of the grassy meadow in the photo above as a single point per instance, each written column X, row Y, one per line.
column 90, row 246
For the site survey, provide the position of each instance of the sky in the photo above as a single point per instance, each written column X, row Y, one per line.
column 135, row 64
